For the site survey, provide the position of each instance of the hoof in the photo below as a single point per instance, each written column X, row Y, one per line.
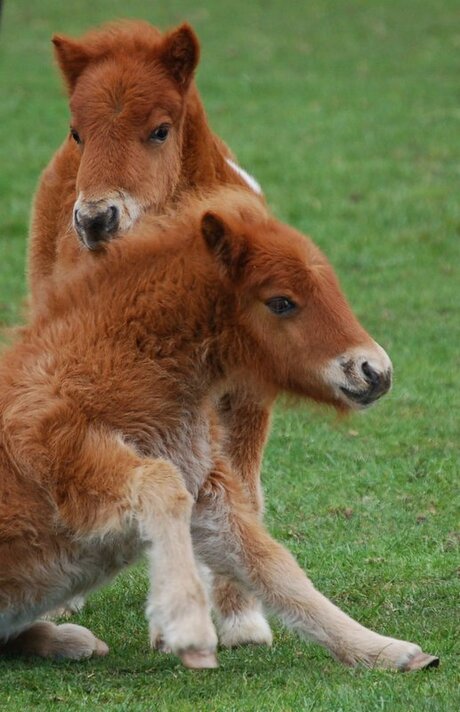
column 199, row 659
column 421, row 661
column 77, row 643
column 101, row 648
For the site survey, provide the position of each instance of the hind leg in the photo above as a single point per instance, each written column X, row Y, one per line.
column 47, row 640
column 112, row 493
column 231, row 540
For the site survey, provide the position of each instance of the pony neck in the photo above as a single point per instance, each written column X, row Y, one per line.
column 203, row 153
column 188, row 312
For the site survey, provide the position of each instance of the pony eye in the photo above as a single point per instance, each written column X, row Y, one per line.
column 160, row 134
column 281, row 306
column 75, row 135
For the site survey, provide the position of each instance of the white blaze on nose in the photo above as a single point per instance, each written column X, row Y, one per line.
column 346, row 370
column 376, row 357
column 129, row 209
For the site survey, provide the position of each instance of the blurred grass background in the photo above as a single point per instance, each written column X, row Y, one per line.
column 348, row 114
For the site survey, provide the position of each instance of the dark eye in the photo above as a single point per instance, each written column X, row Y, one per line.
column 75, row 135
column 160, row 134
column 281, row 306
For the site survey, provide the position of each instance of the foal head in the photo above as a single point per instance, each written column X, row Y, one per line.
column 301, row 334
column 128, row 87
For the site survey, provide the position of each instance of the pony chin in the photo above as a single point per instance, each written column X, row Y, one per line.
column 320, row 394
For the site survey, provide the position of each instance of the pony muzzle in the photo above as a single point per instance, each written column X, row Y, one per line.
column 98, row 220
column 361, row 376
column 96, row 223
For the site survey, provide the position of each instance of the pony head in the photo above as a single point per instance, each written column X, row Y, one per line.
column 128, row 85
column 300, row 333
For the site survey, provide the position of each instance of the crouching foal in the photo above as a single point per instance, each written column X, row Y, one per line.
column 109, row 445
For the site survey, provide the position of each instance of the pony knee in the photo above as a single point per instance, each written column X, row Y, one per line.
column 159, row 489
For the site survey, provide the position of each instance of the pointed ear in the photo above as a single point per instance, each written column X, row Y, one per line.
column 180, row 54
column 72, row 58
column 229, row 249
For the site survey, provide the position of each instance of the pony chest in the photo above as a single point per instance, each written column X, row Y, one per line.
column 188, row 447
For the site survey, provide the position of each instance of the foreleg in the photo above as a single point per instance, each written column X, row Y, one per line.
column 245, row 419
column 232, row 541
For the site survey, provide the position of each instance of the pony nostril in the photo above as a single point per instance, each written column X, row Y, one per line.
column 370, row 374
column 112, row 217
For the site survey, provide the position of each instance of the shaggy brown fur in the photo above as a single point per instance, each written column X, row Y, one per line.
column 109, row 444
column 124, row 81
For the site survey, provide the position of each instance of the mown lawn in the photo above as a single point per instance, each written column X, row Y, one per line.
column 348, row 114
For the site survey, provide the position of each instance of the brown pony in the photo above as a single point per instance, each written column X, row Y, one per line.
column 140, row 142
column 109, row 444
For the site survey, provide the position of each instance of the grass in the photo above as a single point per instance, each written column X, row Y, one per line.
column 347, row 113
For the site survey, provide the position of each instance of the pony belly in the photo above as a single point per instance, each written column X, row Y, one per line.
column 38, row 587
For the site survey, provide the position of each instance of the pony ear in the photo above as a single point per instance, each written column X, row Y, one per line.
column 72, row 58
column 180, row 54
column 229, row 249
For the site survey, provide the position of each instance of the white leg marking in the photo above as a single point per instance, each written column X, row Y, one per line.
column 249, row 626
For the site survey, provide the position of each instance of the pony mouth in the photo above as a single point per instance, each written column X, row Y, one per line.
column 97, row 244
column 362, row 399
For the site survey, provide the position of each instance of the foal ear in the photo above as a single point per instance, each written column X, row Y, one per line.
column 72, row 58
column 180, row 54
column 229, row 249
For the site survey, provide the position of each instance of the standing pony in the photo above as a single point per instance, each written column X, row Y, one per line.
column 140, row 142
column 109, row 447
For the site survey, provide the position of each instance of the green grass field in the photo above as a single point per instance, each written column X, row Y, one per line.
column 348, row 114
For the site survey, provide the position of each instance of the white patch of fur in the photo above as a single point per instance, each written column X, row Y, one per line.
column 336, row 376
column 176, row 627
column 249, row 626
column 129, row 209
column 76, row 643
column 249, row 179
